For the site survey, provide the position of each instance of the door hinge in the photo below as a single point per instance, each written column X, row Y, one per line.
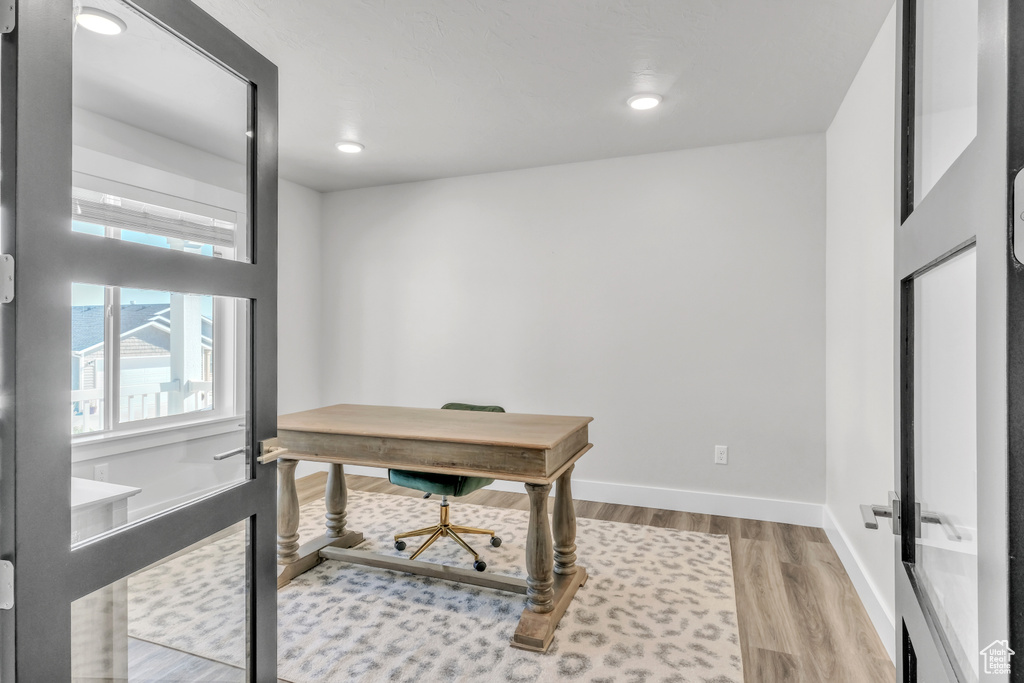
column 7, row 15
column 6, row 584
column 6, row 278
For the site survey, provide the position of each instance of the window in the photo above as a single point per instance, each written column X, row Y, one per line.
column 165, row 364
column 145, row 358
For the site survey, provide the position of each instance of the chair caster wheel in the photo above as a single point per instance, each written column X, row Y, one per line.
column 399, row 545
column 479, row 565
column 495, row 541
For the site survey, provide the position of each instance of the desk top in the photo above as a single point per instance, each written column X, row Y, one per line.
column 513, row 446
column 433, row 424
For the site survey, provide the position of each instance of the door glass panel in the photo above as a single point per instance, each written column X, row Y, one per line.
column 183, row 618
column 946, row 83
column 175, row 428
column 161, row 137
column 945, row 464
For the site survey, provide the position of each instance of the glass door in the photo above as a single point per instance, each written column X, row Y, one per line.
column 956, row 281
column 138, row 355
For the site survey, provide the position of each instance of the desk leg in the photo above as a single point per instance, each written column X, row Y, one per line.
column 336, row 500
column 564, row 526
column 287, row 512
column 548, row 594
column 293, row 560
column 539, row 580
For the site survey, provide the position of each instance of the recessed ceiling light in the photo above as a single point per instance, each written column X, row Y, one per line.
column 349, row 147
column 99, row 21
column 644, row 101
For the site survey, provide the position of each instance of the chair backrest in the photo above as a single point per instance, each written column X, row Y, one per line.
column 469, row 406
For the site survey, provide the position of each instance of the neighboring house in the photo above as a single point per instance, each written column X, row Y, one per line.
column 145, row 358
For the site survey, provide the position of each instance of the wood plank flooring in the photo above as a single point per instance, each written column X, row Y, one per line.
column 148, row 662
column 800, row 619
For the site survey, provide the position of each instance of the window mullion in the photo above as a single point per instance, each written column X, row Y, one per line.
column 112, row 357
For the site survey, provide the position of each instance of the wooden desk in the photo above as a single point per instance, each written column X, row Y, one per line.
column 538, row 450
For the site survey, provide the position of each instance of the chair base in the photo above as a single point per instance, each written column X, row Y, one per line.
column 445, row 528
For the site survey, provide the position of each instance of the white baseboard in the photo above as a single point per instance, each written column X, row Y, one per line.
column 881, row 617
column 764, row 509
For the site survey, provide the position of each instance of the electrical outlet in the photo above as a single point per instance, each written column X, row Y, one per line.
column 721, row 455
column 101, row 472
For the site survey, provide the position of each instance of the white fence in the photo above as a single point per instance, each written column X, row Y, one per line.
column 138, row 402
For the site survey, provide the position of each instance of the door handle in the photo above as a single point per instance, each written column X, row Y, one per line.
column 1018, row 216
column 942, row 520
column 227, row 454
column 870, row 513
column 270, row 451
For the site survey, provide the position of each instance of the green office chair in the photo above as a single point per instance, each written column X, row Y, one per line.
column 445, row 485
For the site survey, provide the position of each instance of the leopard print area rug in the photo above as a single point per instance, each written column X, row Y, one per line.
column 659, row 605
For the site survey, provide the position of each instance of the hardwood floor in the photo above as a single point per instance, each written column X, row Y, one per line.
column 800, row 619
column 148, row 662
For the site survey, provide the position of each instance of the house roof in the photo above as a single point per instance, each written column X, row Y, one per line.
column 87, row 322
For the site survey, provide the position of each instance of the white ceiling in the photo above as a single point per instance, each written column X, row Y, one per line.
column 440, row 88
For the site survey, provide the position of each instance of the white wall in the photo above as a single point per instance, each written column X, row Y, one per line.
column 678, row 298
column 860, row 310
column 299, row 292
column 125, row 142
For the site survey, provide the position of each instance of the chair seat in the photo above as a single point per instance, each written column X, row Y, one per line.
column 439, row 484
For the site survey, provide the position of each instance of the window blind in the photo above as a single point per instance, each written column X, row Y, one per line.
column 127, row 214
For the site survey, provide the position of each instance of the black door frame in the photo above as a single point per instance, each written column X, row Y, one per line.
column 35, row 445
column 976, row 210
column 1015, row 335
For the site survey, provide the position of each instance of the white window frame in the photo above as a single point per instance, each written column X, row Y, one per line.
column 229, row 317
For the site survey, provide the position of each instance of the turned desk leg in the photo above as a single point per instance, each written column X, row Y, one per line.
column 292, row 559
column 553, row 576
column 336, row 500
column 287, row 512
column 539, row 556
column 564, row 526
